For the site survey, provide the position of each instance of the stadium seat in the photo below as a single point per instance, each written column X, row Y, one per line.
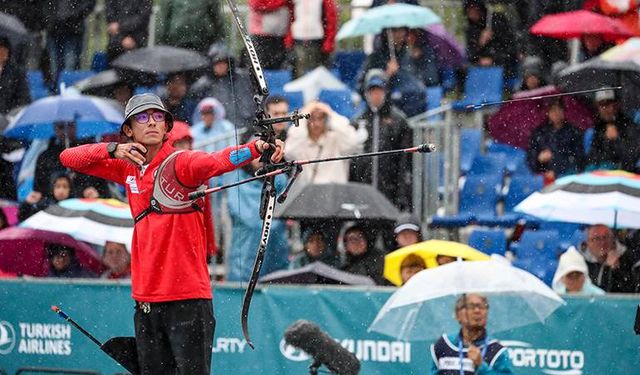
column 434, row 99
column 516, row 157
column 37, row 88
column 478, row 199
column 99, row 61
column 295, row 99
column 489, row 241
column 520, row 187
column 448, row 79
column 566, row 232
column 537, row 244
column 348, row 64
column 470, row 143
column 488, row 164
column 69, row 77
column 483, row 85
column 276, row 79
column 544, row 269
column 340, row 101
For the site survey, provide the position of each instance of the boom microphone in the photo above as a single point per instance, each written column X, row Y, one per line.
column 308, row 337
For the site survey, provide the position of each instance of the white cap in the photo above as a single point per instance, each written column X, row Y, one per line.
column 604, row 95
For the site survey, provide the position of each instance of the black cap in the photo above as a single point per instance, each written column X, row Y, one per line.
column 142, row 102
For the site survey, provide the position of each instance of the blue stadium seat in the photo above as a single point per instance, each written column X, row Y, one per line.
column 565, row 231
column 483, row 85
column 434, row 99
column 339, row 100
column 448, row 78
column 520, row 187
column 478, row 199
column 295, row 99
column 489, row 241
column 542, row 268
column 588, row 137
column 37, row 88
column 537, row 244
column 470, row 144
column 488, row 164
column 69, row 77
column 99, row 61
column 348, row 64
column 276, row 79
column 516, row 157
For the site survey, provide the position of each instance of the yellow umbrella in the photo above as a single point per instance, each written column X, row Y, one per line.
column 428, row 250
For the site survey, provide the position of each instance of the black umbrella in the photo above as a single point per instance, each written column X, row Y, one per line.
column 316, row 273
column 599, row 72
column 159, row 60
column 12, row 28
column 100, row 83
column 352, row 201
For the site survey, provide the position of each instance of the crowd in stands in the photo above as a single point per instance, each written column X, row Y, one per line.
column 296, row 37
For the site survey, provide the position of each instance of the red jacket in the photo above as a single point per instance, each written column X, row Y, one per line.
column 168, row 255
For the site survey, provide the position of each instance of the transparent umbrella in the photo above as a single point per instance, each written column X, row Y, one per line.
column 423, row 308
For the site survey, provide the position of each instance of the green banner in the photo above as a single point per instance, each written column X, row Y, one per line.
column 587, row 336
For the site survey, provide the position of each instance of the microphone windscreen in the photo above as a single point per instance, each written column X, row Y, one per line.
column 308, row 337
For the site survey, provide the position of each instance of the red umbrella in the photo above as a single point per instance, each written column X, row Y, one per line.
column 514, row 122
column 568, row 25
column 23, row 251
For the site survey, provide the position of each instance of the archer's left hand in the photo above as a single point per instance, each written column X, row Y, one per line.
column 278, row 153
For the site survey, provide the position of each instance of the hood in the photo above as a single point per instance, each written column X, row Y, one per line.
column 570, row 261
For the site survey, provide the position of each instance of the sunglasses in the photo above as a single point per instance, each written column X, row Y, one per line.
column 143, row 117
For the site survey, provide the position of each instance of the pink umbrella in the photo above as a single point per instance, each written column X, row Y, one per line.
column 568, row 25
column 10, row 209
column 23, row 251
column 514, row 122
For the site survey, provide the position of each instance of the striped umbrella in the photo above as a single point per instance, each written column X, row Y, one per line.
column 600, row 197
column 91, row 220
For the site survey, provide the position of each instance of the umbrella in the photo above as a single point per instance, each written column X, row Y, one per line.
column 569, row 25
column 428, row 250
column 23, row 251
column 449, row 52
column 618, row 66
column 601, row 197
column 315, row 81
column 352, row 201
column 12, row 28
column 91, row 220
column 160, row 60
column 374, row 20
column 316, row 273
column 514, row 122
column 422, row 309
column 99, row 83
column 10, row 210
column 93, row 116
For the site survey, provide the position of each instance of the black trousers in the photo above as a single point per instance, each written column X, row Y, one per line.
column 174, row 337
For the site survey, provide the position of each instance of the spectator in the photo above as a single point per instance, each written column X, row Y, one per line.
column 230, row 85
column 28, row 54
column 407, row 230
column 63, row 262
column 593, row 45
column 176, row 98
column 610, row 263
column 127, row 25
column 411, row 265
column 7, row 181
column 243, row 205
column 615, row 142
column 444, row 259
column 65, row 33
column 496, row 39
column 117, row 259
column 36, row 201
column 325, row 134
column 278, row 106
column 556, row 146
column 388, row 129
column 361, row 257
column 532, row 73
column 14, row 91
column 212, row 124
column 315, row 250
column 313, row 30
column 192, row 24
column 484, row 355
column 410, row 65
column 48, row 163
column 269, row 26
column 572, row 275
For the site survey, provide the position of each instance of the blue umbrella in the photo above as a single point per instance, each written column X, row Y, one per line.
column 93, row 116
column 376, row 19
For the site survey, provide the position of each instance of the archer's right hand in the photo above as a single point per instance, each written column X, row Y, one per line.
column 133, row 152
